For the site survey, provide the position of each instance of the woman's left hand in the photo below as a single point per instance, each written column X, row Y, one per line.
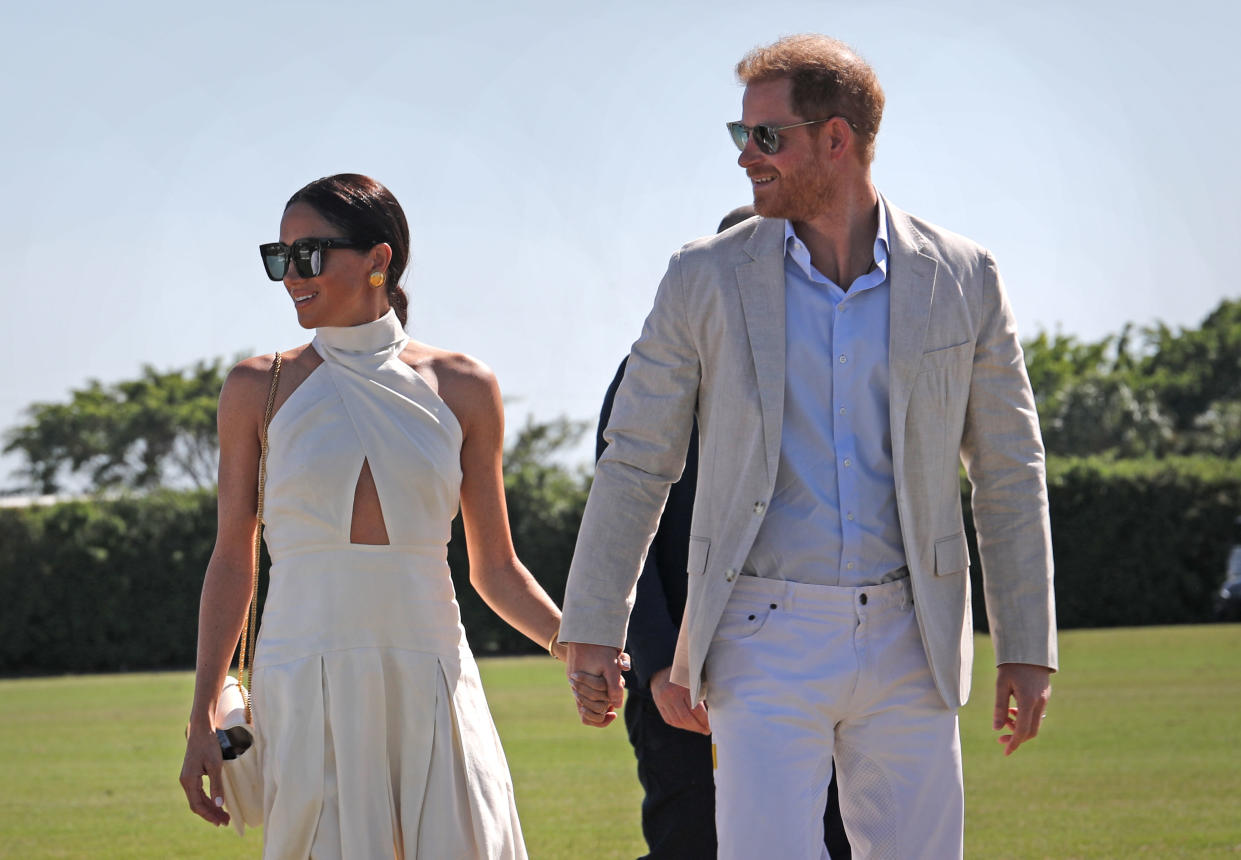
column 202, row 758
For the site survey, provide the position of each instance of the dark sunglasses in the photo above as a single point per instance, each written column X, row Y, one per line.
column 307, row 255
column 767, row 137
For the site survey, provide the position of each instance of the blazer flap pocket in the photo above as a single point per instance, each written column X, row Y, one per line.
column 951, row 555
column 946, row 356
column 698, row 547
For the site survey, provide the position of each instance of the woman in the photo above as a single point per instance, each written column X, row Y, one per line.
column 374, row 731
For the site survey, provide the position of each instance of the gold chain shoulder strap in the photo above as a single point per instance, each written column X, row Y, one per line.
column 250, row 625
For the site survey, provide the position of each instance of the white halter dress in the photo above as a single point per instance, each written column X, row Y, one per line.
column 375, row 735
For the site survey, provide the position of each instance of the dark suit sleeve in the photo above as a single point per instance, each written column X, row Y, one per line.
column 652, row 630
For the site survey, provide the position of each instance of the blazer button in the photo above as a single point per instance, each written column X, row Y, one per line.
column 730, row 574
column 759, row 507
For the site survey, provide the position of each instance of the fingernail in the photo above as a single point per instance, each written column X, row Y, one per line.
column 219, row 801
column 573, row 676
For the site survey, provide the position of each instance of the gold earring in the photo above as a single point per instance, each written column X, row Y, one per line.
column 377, row 279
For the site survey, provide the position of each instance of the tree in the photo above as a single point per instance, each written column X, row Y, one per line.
column 157, row 430
column 1195, row 375
column 1153, row 392
column 1087, row 400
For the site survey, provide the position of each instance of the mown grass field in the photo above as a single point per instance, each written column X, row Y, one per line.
column 1139, row 757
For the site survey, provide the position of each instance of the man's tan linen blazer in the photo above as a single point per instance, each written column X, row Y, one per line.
column 714, row 345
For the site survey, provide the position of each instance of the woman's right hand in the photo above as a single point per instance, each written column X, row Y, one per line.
column 202, row 758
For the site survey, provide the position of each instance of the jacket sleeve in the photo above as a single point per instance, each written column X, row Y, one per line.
column 652, row 631
column 1002, row 450
column 647, row 438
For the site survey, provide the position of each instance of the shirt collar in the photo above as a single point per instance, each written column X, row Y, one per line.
column 796, row 250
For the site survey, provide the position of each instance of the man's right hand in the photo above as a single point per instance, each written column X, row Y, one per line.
column 674, row 706
column 595, row 676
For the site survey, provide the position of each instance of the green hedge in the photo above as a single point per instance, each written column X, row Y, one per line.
column 1136, row 542
column 110, row 585
column 88, row 586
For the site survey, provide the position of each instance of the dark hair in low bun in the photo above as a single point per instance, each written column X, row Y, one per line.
column 364, row 211
column 399, row 301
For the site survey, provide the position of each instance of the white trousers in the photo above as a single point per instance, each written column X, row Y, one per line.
column 798, row 674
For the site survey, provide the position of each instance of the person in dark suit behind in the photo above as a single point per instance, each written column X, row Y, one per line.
column 675, row 764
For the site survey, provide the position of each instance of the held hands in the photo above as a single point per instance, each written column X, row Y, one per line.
column 202, row 758
column 1030, row 687
column 595, row 677
column 674, row 706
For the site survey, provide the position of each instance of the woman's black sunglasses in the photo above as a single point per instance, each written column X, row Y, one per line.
column 767, row 137
column 307, row 255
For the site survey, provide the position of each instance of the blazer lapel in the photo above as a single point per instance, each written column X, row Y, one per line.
column 912, row 289
column 760, row 280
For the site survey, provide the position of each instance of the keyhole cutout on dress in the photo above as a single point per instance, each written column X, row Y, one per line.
column 367, row 526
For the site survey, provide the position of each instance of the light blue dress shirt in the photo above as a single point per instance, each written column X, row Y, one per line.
column 833, row 517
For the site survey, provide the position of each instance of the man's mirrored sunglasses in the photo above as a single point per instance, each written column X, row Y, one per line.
column 307, row 255
column 767, row 137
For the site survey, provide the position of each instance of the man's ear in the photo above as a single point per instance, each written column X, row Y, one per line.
column 837, row 137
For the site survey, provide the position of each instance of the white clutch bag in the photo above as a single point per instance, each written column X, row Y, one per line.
column 242, row 775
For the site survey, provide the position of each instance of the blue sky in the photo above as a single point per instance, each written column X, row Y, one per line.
column 552, row 155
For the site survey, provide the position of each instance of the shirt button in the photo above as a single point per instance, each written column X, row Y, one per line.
column 848, row 462
column 759, row 507
column 730, row 574
column 850, row 517
column 843, row 359
column 862, row 599
column 850, row 565
column 842, row 410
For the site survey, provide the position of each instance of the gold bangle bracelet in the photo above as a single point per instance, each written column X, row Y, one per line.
column 551, row 643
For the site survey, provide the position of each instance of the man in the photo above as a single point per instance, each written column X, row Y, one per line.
column 670, row 741
column 841, row 357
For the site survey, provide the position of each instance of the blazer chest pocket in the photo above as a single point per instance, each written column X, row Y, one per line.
column 951, row 555
column 697, row 563
column 946, row 357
